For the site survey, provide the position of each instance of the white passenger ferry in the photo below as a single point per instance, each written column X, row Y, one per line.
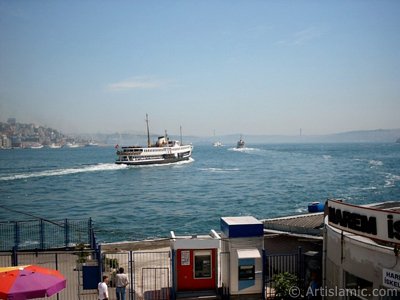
column 162, row 152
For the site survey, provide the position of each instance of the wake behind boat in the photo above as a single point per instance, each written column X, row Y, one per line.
column 164, row 151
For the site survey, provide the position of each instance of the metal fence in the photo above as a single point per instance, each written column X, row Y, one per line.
column 275, row 264
column 45, row 234
column 149, row 273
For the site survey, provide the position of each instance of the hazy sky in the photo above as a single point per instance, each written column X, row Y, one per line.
column 237, row 66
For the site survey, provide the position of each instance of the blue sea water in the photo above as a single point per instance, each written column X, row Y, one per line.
column 134, row 203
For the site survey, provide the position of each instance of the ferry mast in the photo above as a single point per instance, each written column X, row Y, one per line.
column 148, row 132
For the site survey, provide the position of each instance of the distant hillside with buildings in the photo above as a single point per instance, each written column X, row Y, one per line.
column 20, row 135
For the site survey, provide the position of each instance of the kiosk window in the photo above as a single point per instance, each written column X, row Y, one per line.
column 202, row 264
column 246, row 272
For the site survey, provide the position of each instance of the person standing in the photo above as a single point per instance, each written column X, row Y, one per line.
column 103, row 288
column 121, row 281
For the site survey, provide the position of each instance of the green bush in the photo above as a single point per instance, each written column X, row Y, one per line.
column 82, row 254
column 284, row 284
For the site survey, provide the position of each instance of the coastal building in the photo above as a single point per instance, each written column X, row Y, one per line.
column 16, row 142
column 286, row 234
column 5, row 142
column 361, row 247
column 12, row 121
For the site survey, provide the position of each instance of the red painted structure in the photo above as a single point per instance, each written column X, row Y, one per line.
column 196, row 269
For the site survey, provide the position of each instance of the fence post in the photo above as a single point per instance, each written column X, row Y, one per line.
column 100, row 261
column 91, row 234
column 263, row 271
column 131, row 288
column 66, row 232
column 58, row 296
column 173, row 296
column 134, row 276
column 41, row 233
column 14, row 256
column 300, row 266
column 16, row 235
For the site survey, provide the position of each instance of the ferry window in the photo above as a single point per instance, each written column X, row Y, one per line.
column 202, row 264
column 356, row 284
column 246, row 272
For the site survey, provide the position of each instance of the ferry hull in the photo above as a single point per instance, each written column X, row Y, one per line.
column 153, row 161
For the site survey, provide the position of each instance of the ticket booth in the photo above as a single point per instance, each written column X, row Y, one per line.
column 242, row 249
column 195, row 262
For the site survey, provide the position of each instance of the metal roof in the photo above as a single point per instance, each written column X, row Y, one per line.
column 313, row 223
column 310, row 224
column 389, row 205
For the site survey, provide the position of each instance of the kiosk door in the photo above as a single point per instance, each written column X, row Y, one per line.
column 196, row 270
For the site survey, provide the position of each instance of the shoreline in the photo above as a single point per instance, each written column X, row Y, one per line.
column 156, row 244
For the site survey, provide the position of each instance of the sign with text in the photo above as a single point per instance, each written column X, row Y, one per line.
column 391, row 279
column 378, row 224
column 185, row 258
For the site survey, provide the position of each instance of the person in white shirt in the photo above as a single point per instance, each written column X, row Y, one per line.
column 121, row 281
column 103, row 288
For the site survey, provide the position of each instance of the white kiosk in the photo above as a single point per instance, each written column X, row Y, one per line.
column 242, row 257
column 195, row 264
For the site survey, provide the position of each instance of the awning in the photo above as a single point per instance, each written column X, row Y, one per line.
column 248, row 253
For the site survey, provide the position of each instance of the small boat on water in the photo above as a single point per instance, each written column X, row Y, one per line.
column 72, row 145
column 240, row 143
column 217, row 144
column 316, row 207
column 91, row 144
column 54, row 146
column 36, row 146
column 162, row 152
